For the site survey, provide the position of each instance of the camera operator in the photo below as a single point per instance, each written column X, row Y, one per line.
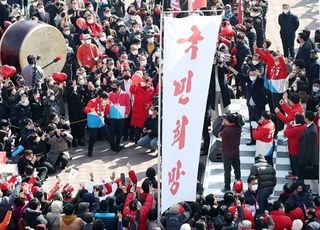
column 32, row 73
column 59, row 148
column 36, row 143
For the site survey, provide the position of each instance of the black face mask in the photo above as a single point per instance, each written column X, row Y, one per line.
column 114, row 90
column 126, row 77
column 298, row 40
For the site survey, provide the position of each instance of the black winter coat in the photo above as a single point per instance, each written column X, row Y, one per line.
column 289, row 23
column 222, row 81
column 308, row 157
column 34, row 217
column 266, row 176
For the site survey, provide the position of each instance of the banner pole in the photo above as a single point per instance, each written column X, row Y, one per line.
column 159, row 120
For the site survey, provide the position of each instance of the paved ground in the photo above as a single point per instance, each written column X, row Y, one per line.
column 104, row 162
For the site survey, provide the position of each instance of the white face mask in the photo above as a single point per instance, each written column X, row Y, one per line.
column 143, row 63
column 88, row 41
column 111, row 67
column 67, row 32
column 103, row 39
column 134, row 52
column 315, row 89
column 254, row 187
column 41, row 10
column 285, row 11
column 52, row 98
column 143, row 84
column 3, row 2
column 139, row 46
column 255, row 62
column 150, row 112
column 98, row 83
column 90, row 21
column 252, row 14
column 81, row 82
column 25, row 102
column 253, row 78
column 37, row 139
column 150, row 40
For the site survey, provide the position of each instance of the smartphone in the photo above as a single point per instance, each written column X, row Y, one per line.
column 123, row 178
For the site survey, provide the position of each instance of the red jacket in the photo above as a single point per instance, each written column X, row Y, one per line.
column 95, row 104
column 281, row 221
column 273, row 72
column 86, row 54
column 290, row 111
column 142, row 102
column 143, row 211
column 296, row 214
column 122, row 98
column 318, row 212
column 294, row 133
column 264, row 132
column 246, row 212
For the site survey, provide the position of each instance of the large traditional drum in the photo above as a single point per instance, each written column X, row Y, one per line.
column 23, row 38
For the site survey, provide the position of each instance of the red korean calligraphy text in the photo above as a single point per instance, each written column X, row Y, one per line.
column 193, row 39
column 180, row 132
column 174, row 176
column 183, row 86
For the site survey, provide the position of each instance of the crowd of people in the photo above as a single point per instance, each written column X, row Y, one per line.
column 112, row 68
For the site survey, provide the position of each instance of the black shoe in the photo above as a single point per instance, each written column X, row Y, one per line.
column 74, row 143
column 120, row 148
column 89, row 154
column 251, row 143
column 81, row 142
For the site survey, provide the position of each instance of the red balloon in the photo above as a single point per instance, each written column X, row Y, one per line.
column 8, row 71
column 59, row 77
column 136, row 79
column 80, row 22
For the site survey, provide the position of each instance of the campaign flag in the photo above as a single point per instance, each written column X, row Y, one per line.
column 94, row 120
column 240, row 12
column 189, row 48
column 196, row 4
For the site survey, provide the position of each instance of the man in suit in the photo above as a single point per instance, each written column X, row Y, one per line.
column 304, row 50
column 289, row 23
column 41, row 14
column 256, row 100
column 308, row 157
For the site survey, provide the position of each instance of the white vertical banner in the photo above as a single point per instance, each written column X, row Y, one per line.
column 189, row 49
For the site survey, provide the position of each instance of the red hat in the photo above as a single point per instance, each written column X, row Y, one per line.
column 35, row 189
column 4, row 186
column 238, row 186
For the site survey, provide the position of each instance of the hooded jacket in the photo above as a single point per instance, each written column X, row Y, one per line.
column 71, row 222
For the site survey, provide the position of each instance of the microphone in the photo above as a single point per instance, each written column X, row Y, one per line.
column 58, row 58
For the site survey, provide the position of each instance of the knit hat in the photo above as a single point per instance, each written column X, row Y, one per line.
column 297, row 224
column 185, row 226
column 56, row 206
column 83, row 207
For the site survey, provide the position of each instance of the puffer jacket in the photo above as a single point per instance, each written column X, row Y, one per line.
column 266, row 175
